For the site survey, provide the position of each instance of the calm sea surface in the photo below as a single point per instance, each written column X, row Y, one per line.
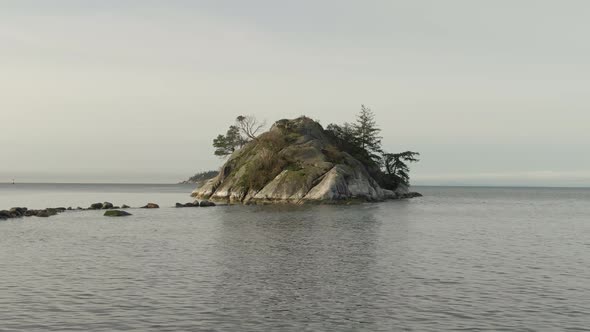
column 510, row 259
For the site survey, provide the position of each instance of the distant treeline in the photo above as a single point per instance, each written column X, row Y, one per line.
column 201, row 177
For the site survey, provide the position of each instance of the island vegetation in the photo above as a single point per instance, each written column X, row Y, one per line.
column 361, row 140
column 300, row 161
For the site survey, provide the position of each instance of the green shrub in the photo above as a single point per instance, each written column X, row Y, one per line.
column 333, row 155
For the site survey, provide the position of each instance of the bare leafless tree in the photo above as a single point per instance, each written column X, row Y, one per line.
column 249, row 125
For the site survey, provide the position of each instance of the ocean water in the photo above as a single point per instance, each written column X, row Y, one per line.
column 511, row 259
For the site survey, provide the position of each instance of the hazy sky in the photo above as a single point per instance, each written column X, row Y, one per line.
column 490, row 92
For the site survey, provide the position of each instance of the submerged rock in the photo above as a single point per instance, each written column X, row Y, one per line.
column 151, row 206
column 116, row 213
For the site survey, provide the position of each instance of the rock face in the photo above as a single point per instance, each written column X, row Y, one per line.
column 296, row 161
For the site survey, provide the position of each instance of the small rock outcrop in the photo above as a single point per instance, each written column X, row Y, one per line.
column 116, row 213
column 151, row 206
column 95, row 206
column 19, row 212
column 180, row 205
column 296, row 161
column 46, row 213
column 4, row 214
column 206, row 203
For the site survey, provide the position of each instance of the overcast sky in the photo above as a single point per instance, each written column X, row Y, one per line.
column 490, row 92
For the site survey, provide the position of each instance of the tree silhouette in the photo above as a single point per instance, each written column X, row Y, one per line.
column 396, row 166
column 245, row 129
column 249, row 125
column 226, row 144
column 366, row 132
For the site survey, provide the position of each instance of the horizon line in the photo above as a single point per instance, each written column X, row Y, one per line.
column 419, row 185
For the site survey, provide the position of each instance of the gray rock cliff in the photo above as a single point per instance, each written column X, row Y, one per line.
column 294, row 162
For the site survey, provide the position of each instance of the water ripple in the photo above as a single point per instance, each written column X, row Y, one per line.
column 441, row 262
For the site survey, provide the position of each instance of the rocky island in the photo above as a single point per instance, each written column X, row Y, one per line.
column 298, row 161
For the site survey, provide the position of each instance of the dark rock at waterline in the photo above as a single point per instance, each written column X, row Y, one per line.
column 206, row 203
column 46, row 213
column 69, row 208
column 95, row 206
column 116, row 213
column 17, row 212
column 5, row 214
column 151, row 206
column 43, row 214
column 411, row 195
column 125, row 206
column 116, row 207
column 107, row 205
column 180, row 205
column 30, row 213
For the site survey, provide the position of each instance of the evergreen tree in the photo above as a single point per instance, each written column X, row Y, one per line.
column 366, row 132
column 226, row 144
column 362, row 141
column 346, row 140
column 396, row 166
column 344, row 133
